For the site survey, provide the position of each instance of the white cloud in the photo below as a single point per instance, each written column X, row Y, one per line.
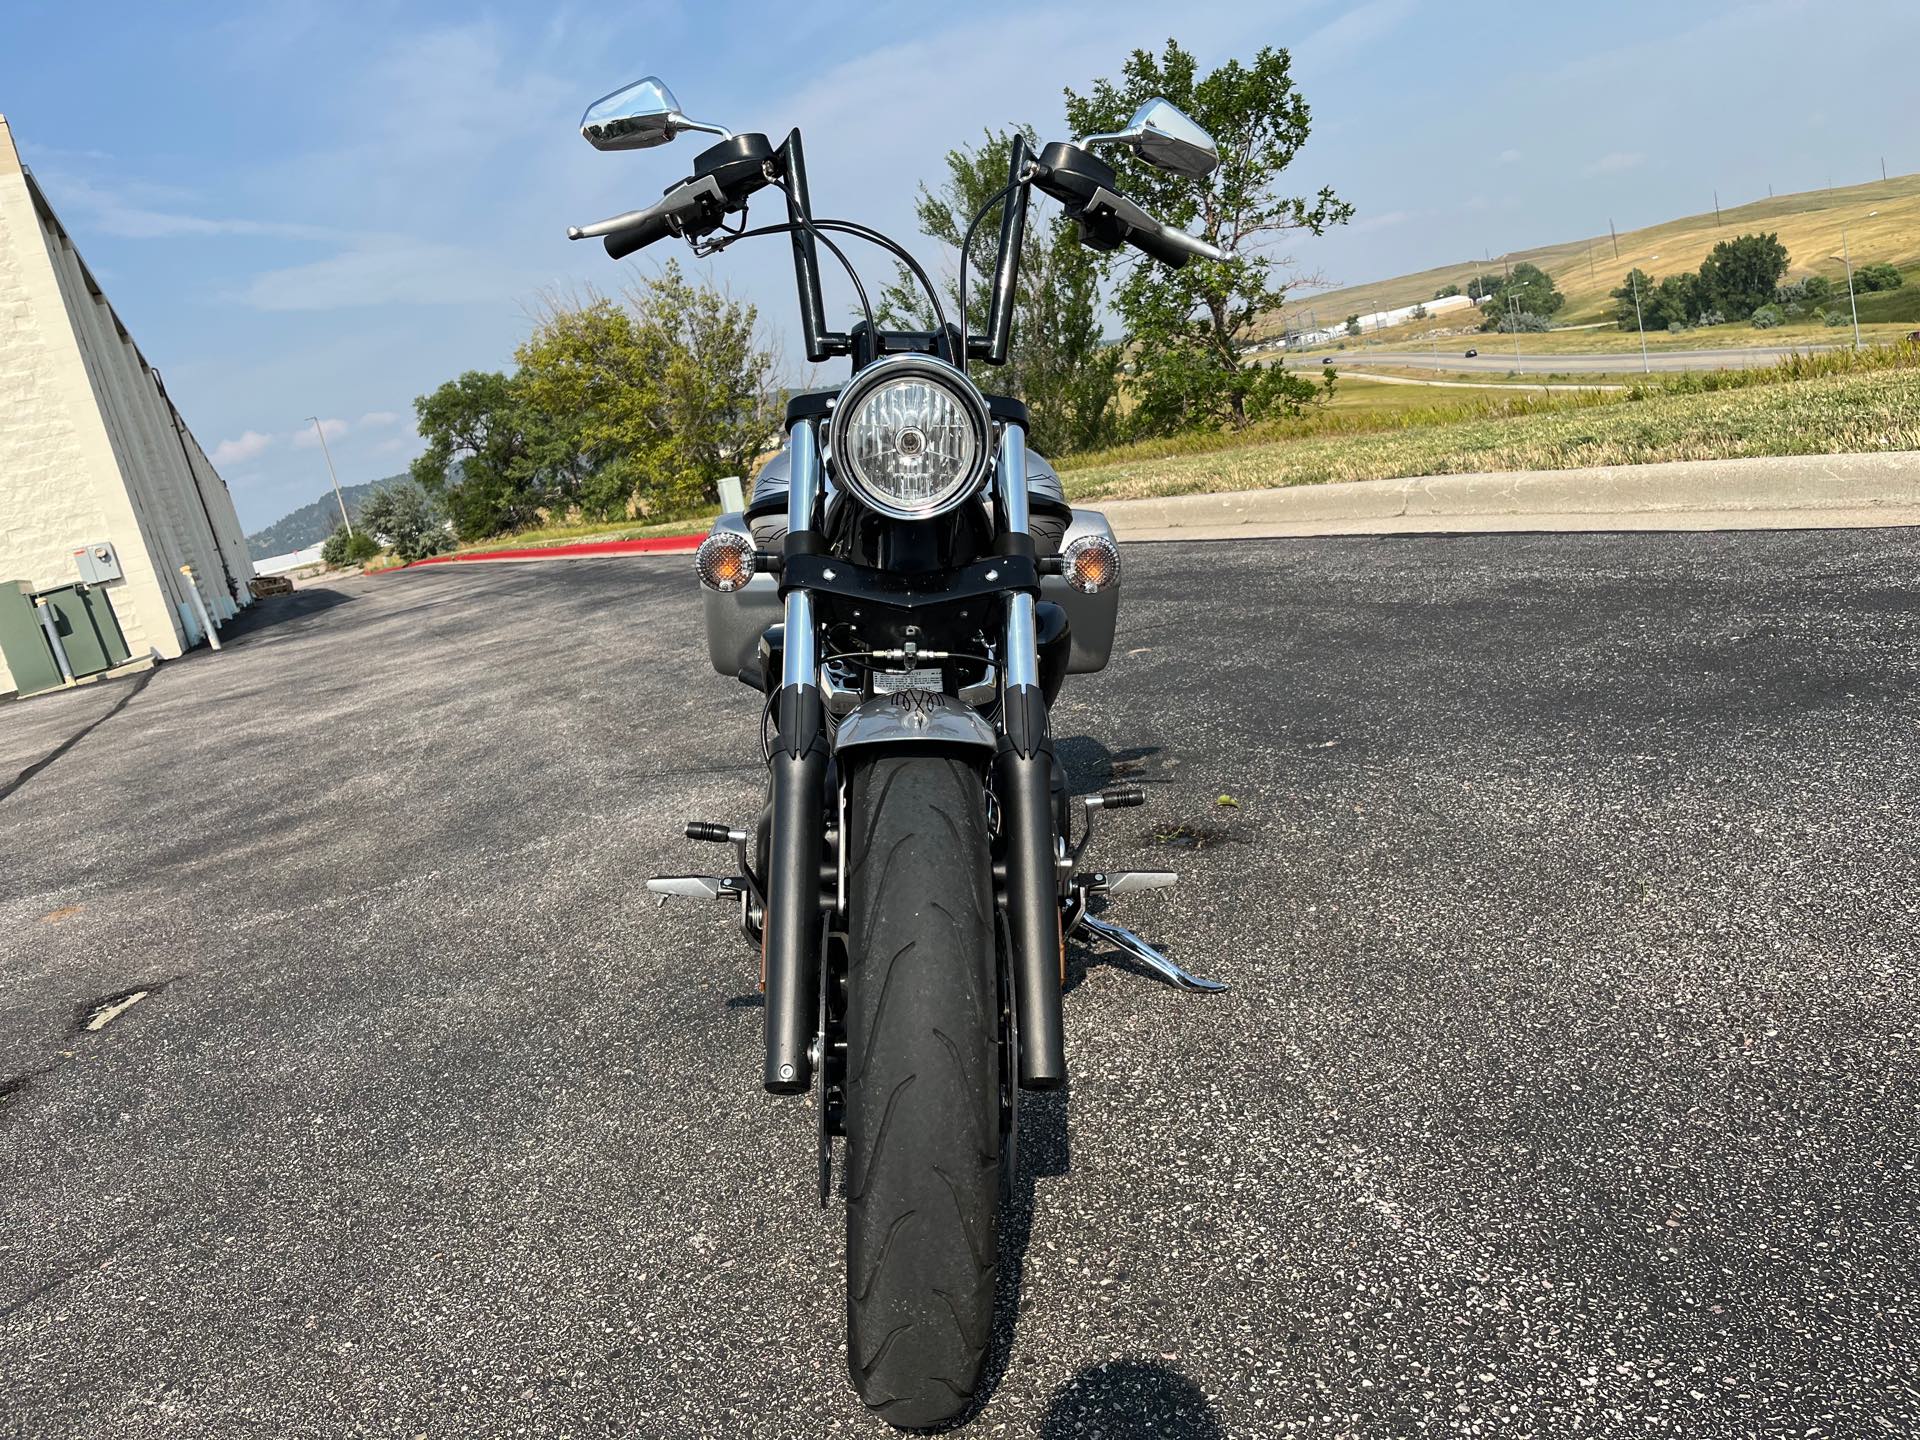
column 1508, row 157
column 129, row 214
column 395, row 273
column 250, row 446
column 375, row 419
column 332, row 429
column 1615, row 161
column 1386, row 220
column 1360, row 27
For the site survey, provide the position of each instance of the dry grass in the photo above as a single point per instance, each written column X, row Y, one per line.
column 1808, row 224
column 1828, row 404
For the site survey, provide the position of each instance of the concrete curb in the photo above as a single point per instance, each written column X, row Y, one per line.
column 1794, row 492
column 650, row 545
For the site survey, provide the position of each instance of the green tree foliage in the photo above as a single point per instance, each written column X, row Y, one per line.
column 1445, row 290
column 1187, row 328
column 477, row 454
column 1631, row 298
column 1059, row 363
column 618, row 407
column 411, row 521
column 1353, row 325
column 1524, row 290
column 1877, row 276
column 1738, row 276
column 341, row 549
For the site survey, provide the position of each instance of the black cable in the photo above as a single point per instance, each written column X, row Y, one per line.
column 813, row 229
column 847, row 227
column 966, row 246
column 869, row 234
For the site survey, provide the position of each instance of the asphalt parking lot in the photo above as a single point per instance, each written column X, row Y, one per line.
column 1567, row 1085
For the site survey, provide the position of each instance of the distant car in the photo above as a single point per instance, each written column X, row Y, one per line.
column 1472, row 353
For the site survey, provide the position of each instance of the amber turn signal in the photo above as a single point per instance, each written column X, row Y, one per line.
column 1091, row 563
column 724, row 561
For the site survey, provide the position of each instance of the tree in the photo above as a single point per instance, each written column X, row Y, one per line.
column 1353, row 324
column 1445, row 290
column 1877, row 276
column 641, row 407
column 1059, row 364
column 409, row 519
column 1525, row 289
column 1419, row 312
column 1738, row 276
column 1187, row 328
column 1630, row 300
column 476, row 456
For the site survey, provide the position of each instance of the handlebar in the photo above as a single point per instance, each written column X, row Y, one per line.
column 692, row 205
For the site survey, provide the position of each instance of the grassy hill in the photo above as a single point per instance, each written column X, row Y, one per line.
column 310, row 524
column 1586, row 269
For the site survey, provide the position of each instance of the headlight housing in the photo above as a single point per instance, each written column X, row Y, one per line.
column 911, row 437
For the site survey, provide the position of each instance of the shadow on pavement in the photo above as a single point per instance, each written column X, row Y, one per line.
column 278, row 611
column 1130, row 1400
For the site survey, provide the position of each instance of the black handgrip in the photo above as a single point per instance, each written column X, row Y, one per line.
column 623, row 243
column 1156, row 245
column 708, row 831
column 1122, row 797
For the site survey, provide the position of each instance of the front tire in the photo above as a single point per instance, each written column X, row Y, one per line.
column 922, row 1088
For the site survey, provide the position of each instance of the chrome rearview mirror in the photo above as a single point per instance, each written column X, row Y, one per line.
column 638, row 117
column 1161, row 134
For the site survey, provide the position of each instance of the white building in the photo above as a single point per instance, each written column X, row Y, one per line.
column 93, row 453
column 1381, row 320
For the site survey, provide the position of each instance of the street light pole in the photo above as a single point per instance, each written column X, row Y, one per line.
column 1845, row 257
column 1633, row 279
column 339, row 499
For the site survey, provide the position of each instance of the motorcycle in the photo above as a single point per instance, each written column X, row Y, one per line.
column 908, row 590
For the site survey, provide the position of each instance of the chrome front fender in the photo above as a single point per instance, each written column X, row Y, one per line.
column 915, row 717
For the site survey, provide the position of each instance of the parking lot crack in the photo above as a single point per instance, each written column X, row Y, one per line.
column 140, row 683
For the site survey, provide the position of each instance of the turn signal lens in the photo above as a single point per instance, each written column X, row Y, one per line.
column 1091, row 563
column 724, row 561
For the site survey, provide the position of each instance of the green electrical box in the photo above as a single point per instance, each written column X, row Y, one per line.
column 88, row 629
column 81, row 617
column 29, row 658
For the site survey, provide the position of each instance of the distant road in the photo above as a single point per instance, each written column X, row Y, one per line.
column 1499, row 361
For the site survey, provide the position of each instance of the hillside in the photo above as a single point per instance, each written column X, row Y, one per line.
column 1586, row 270
column 310, row 524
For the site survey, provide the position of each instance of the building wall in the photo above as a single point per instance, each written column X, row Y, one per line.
column 91, row 447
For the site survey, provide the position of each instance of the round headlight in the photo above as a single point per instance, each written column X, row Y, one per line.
column 910, row 437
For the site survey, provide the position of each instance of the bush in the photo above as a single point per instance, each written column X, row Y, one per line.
column 1877, row 276
column 1811, row 290
column 1521, row 320
column 1836, row 317
column 1676, row 325
column 342, row 549
column 1766, row 317
column 1711, row 317
column 408, row 518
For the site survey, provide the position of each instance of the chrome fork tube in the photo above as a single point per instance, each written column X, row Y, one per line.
column 804, row 484
column 797, row 786
column 1023, row 781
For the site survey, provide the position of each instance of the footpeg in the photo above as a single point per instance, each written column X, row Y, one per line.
column 714, row 833
column 698, row 887
column 1140, row 950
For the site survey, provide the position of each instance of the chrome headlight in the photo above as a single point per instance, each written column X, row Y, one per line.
column 911, row 437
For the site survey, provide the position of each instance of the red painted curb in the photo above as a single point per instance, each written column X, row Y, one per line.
column 650, row 545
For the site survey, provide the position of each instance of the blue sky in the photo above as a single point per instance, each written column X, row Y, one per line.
column 328, row 209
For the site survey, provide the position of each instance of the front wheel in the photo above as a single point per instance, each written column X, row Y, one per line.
column 922, row 1087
